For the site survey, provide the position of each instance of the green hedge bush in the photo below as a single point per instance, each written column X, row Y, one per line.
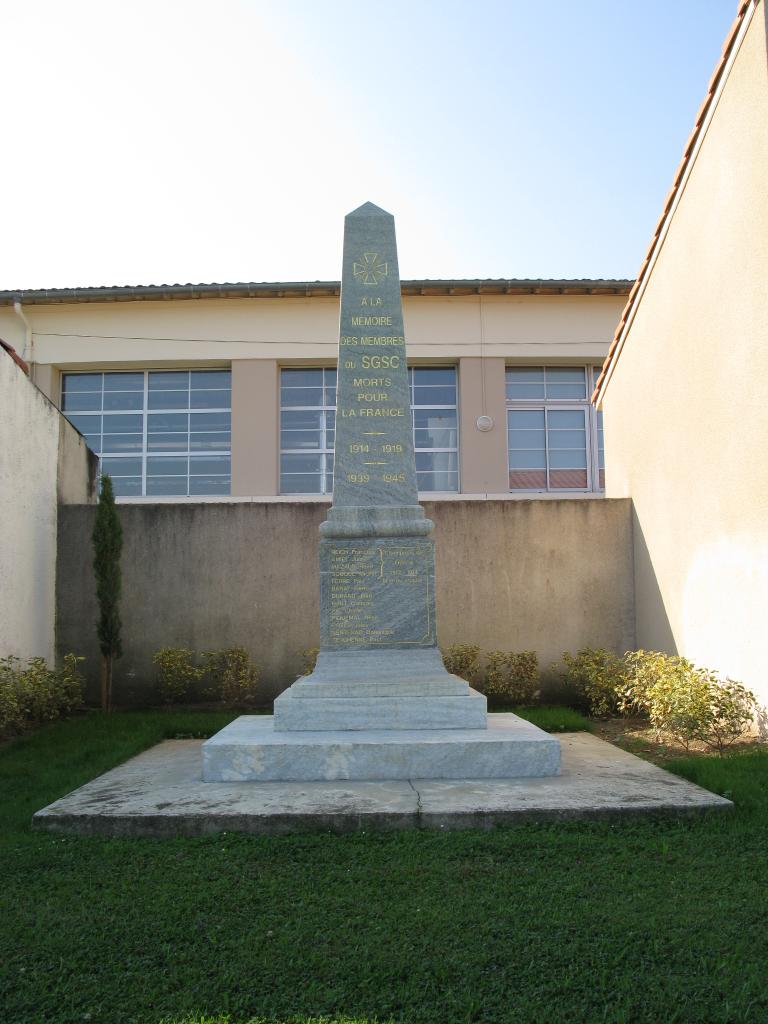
column 232, row 677
column 597, row 678
column 34, row 693
column 463, row 660
column 176, row 673
column 227, row 675
column 512, row 676
column 310, row 660
column 685, row 701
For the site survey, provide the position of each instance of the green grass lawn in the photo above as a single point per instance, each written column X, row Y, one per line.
column 647, row 921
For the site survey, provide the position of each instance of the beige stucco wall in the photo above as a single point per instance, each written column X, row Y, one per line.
column 688, row 400
column 558, row 327
column 43, row 460
column 255, row 427
column 483, row 453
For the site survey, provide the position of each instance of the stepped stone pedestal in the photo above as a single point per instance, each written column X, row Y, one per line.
column 251, row 750
column 379, row 703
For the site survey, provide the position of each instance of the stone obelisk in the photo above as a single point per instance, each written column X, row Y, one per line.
column 379, row 704
column 379, row 666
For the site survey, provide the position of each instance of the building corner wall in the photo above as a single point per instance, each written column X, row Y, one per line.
column 28, row 483
column 77, row 468
column 43, row 462
column 687, row 400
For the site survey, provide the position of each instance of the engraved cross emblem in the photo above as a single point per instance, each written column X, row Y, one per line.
column 371, row 269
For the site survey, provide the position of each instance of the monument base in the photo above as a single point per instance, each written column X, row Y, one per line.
column 250, row 750
column 322, row 714
column 388, row 689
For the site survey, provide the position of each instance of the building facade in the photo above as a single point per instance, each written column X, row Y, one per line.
column 224, row 392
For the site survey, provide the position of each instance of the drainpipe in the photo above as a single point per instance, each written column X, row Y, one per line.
column 28, row 354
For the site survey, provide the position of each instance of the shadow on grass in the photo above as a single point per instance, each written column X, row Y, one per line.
column 41, row 766
column 739, row 776
column 552, row 719
column 226, row 1019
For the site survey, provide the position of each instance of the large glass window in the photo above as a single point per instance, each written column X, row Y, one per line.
column 307, row 430
column 308, row 417
column 156, row 432
column 554, row 435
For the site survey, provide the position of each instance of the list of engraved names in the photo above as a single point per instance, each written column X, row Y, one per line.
column 366, row 584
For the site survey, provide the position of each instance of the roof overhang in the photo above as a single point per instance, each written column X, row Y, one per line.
column 309, row 289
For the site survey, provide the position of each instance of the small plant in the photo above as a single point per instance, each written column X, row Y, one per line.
column 597, row 677
column 11, row 713
column 310, row 660
column 685, row 701
column 734, row 708
column 176, row 673
column 233, row 676
column 70, row 684
column 463, row 660
column 34, row 693
column 512, row 676
column 649, row 672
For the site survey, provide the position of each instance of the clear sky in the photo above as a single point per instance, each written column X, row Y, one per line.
column 176, row 140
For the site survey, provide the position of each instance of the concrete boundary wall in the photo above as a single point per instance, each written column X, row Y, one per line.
column 43, row 461
column 543, row 575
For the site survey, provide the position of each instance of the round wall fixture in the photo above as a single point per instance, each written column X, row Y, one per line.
column 484, row 423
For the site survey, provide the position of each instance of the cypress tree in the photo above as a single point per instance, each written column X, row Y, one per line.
column 107, row 548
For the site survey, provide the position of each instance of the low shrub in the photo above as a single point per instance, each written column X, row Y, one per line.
column 687, row 702
column 310, row 660
column 11, row 716
column 176, row 673
column 734, row 708
column 597, row 678
column 33, row 693
column 232, row 676
column 463, row 660
column 512, row 676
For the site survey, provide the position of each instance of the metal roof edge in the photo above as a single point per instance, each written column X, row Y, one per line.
column 313, row 289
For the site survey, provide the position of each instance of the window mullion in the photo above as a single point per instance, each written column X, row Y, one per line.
column 101, row 421
column 588, row 450
column 189, row 431
column 144, row 441
column 324, row 442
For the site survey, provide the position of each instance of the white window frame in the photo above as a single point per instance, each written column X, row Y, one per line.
column 145, row 413
column 553, row 404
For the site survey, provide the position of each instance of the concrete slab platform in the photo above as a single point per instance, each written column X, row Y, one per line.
column 160, row 793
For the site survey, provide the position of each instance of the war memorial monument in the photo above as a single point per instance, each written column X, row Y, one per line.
column 379, row 703
column 380, row 735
